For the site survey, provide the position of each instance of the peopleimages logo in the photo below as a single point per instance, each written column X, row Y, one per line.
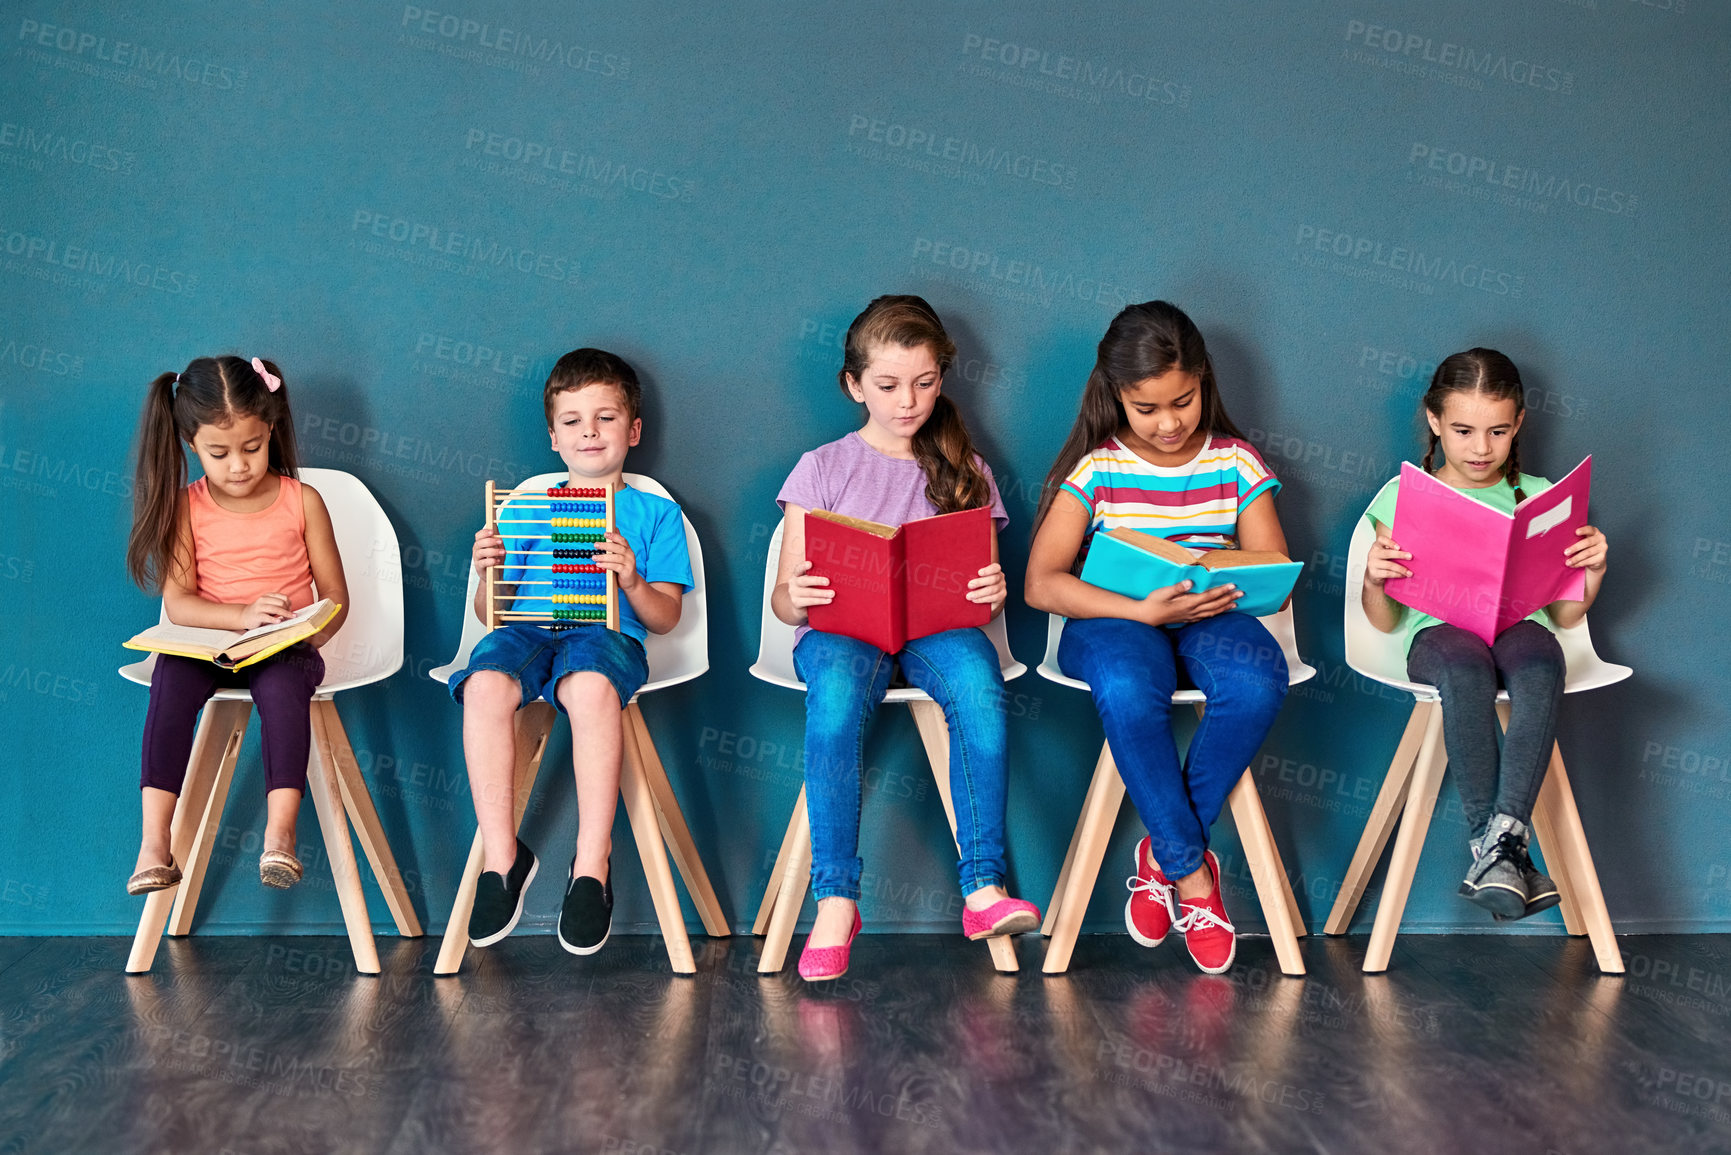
column 543, row 157
column 462, row 36
column 1060, row 74
column 1353, row 252
column 1428, row 158
column 960, row 151
column 141, row 61
column 1421, row 54
column 27, row 140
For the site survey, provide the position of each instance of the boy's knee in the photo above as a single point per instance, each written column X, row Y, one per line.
column 492, row 691
column 587, row 692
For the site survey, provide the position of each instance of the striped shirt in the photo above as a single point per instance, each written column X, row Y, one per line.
column 1196, row 504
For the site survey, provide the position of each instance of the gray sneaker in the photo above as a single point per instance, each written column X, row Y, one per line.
column 1541, row 891
column 1495, row 881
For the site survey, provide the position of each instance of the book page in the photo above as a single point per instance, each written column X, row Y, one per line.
column 1158, row 546
column 875, row 528
column 287, row 623
column 195, row 638
column 1217, row 559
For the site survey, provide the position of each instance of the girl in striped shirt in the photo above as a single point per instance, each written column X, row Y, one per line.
column 1153, row 450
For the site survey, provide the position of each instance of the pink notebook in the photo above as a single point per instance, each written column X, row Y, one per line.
column 1479, row 568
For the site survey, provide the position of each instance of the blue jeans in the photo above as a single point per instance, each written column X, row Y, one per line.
column 845, row 680
column 1133, row 670
column 539, row 658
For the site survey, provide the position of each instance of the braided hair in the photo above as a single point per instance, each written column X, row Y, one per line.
column 1489, row 374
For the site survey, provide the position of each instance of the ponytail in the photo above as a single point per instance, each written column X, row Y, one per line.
column 156, row 486
column 273, row 407
column 954, row 479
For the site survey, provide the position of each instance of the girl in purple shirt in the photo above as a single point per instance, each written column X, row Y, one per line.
column 913, row 458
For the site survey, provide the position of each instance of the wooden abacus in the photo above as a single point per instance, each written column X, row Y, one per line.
column 572, row 521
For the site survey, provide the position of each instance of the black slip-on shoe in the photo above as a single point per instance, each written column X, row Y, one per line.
column 499, row 899
column 586, row 918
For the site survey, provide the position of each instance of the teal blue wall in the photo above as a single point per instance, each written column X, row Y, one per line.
column 416, row 213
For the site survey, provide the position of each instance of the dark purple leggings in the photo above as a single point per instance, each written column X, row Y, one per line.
column 282, row 689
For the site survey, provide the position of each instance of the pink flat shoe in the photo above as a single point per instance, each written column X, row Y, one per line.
column 823, row 963
column 1006, row 916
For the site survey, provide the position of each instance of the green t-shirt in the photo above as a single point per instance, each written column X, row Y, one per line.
column 1500, row 496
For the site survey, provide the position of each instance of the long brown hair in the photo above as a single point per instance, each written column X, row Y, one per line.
column 209, row 391
column 1489, row 374
column 954, row 479
column 1143, row 341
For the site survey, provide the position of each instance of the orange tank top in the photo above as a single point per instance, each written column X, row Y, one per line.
column 240, row 556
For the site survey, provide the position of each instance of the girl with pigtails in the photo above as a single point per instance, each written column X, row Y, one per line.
column 244, row 545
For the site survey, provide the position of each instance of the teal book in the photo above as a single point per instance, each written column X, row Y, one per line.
column 1135, row 564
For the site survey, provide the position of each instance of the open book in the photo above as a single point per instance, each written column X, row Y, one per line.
column 1135, row 564
column 895, row 583
column 236, row 649
column 1482, row 569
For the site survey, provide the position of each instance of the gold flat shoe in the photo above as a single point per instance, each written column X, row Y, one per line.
column 153, row 878
column 279, row 869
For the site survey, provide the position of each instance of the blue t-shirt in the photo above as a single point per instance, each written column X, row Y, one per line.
column 656, row 530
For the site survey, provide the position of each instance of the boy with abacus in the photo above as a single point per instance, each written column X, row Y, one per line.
column 588, row 671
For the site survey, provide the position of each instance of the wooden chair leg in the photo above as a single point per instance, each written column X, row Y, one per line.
column 358, row 802
column 766, row 908
column 646, row 828
column 1272, row 888
column 935, row 734
column 1095, row 784
column 1384, row 814
column 1546, row 839
column 333, row 820
column 209, row 746
column 230, row 719
column 1549, row 843
column 674, row 831
column 533, row 724
column 1253, row 811
column 1099, row 813
column 1557, row 801
column 790, row 891
column 1408, row 844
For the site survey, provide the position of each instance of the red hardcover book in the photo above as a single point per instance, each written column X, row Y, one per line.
column 894, row 583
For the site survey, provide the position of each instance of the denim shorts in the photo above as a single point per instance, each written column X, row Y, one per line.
column 538, row 658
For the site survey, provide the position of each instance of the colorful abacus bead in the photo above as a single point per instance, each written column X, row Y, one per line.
column 565, row 491
column 585, row 614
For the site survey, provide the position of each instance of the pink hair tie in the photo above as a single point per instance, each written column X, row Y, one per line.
column 271, row 380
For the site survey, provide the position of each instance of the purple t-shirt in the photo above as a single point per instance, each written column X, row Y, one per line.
column 851, row 478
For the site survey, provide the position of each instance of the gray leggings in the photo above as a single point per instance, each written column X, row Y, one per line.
column 1529, row 662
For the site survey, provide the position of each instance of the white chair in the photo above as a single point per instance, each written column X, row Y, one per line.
column 1416, row 773
column 368, row 649
column 1106, row 794
column 790, row 879
column 657, row 823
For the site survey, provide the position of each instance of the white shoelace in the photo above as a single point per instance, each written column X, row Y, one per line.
column 1159, row 891
column 1201, row 918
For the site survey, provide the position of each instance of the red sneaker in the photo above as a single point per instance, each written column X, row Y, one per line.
column 1148, row 913
column 1207, row 933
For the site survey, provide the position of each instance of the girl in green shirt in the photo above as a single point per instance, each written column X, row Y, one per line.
column 1475, row 407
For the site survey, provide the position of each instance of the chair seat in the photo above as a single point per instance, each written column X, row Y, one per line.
column 1279, row 624
column 443, row 675
column 339, row 676
column 765, row 672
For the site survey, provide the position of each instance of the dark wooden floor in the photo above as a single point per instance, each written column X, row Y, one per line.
column 260, row 1046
